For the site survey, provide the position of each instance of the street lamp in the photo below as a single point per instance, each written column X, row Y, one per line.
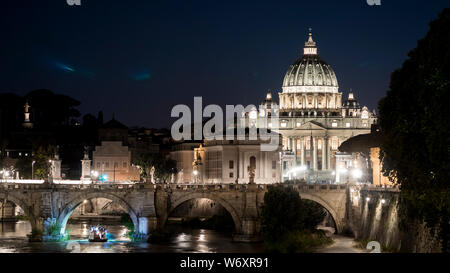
column 357, row 174
column 32, row 169
column 195, row 172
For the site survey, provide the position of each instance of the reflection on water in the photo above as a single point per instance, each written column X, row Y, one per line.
column 13, row 239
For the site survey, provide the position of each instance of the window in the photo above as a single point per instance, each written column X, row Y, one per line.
column 334, row 124
column 98, row 165
column 231, row 163
column 231, row 175
column 347, row 125
column 116, row 165
column 274, row 165
column 124, row 164
column 107, row 164
column 253, row 162
column 334, row 144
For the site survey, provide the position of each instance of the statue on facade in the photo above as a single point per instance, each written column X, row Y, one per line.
column 251, row 174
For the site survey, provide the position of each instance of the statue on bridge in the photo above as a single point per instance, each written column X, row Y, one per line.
column 152, row 174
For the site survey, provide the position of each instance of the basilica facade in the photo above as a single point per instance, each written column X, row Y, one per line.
column 314, row 119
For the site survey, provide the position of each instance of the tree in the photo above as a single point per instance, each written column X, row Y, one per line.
column 42, row 156
column 164, row 167
column 281, row 213
column 289, row 223
column 416, row 131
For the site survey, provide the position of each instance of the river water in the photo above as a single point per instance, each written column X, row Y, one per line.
column 13, row 239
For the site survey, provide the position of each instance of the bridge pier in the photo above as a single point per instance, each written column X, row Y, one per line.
column 250, row 231
column 147, row 224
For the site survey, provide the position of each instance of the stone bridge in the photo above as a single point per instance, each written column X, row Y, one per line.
column 149, row 205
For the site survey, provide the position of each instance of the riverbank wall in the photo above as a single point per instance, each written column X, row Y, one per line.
column 373, row 215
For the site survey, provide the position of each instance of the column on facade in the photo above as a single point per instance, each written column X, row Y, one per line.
column 241, row 166
column 315, row 153
column 302, row 151
column 324, row 153
column 329, row 153
column 294, row 140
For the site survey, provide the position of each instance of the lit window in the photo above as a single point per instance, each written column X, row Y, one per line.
column 334, row 144
column 334, row 124
column 298, row 124
column 347, row 125
column 283, row 124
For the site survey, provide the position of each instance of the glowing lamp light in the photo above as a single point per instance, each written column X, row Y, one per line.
column 367, row 199
column 85, row 201
column 103, row 177
column 383, row 201
column 195, row 172
column 357, row 173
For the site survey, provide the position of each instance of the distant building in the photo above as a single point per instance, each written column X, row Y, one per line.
column 379, row 179
column 313, row 119
column 142, row 141
column 362, row 153
column 184, row 155
column 112, row 158
column 226, row 161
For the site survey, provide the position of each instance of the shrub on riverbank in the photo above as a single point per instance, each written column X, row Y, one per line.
column 298, row 242
column 289, row 223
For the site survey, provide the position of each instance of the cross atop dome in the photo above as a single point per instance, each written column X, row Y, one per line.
column 310, row 46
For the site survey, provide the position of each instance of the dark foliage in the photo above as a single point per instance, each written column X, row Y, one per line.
column 416, row 131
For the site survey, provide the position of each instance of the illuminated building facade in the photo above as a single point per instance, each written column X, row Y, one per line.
column 313, row 119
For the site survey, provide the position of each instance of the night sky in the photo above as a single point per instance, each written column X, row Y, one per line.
column 140, row 58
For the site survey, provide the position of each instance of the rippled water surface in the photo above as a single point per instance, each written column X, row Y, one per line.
column 13, row 239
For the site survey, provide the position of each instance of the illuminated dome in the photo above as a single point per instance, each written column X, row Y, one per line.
column 310, row 73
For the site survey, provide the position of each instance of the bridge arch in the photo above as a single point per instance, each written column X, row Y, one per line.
column 229, row 208
column 327, row 206
column 75, row 202
column 23, row 205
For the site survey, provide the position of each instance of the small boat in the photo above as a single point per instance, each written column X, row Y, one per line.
column 98, row 234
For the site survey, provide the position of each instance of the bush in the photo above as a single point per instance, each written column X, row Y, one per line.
column 298, row 242
column 289, row 223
